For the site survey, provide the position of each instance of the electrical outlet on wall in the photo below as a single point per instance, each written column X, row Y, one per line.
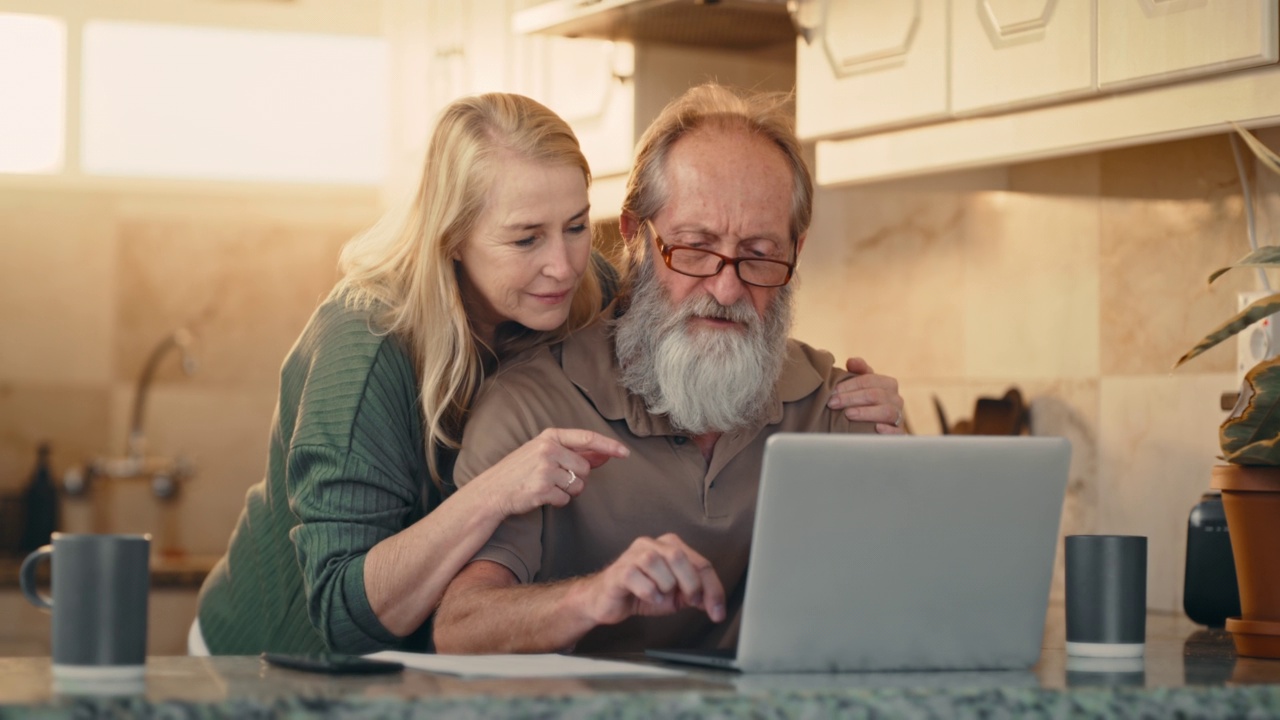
column 1260, row 341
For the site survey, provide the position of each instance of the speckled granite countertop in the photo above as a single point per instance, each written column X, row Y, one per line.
column 1259, row 702
column 1188, row 672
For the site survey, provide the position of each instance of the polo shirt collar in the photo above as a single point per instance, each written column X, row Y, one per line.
column 589, row 361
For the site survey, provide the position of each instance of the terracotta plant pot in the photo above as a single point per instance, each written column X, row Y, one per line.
column 1251, row 499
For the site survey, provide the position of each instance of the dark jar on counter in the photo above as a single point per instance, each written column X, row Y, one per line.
column 41, row 501
column 1209, row 591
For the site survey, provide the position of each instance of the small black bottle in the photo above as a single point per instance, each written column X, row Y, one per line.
column 41, row 504
column 1209, row 594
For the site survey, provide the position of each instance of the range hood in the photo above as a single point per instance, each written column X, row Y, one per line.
column 730, row 24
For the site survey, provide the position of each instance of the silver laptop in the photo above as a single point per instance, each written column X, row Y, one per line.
column 899, row 553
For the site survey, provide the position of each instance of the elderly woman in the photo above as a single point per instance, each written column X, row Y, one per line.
column 350, row 540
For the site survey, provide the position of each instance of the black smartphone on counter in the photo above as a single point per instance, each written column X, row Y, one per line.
column 332, row 663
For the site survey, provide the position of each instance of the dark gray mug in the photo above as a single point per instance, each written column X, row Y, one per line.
column 99, row 604
column 1105, row 671
column 1106, row 595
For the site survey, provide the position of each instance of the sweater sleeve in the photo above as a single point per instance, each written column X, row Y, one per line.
column 354, row 478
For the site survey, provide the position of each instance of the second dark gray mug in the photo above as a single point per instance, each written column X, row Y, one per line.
column 1106, row 595
column 100, row 585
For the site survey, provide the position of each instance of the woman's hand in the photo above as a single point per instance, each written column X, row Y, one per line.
column 550, row 469
column 870, row 397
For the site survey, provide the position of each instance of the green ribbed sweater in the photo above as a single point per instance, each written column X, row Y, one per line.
column 346, row 469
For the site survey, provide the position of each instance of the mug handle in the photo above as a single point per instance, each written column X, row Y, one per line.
column 27, row 576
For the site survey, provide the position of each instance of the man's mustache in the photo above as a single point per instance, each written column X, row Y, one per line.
column 705, row 306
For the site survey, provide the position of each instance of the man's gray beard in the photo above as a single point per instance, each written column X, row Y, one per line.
column 702, row 379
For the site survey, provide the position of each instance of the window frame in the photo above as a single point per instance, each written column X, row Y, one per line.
column 337, row 17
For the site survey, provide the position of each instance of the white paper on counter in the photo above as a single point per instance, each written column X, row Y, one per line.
column 522, row 666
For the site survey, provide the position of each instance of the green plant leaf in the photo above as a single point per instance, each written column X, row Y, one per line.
column 1251, row 434
column 1265, row 256
column 1264, row 452
column 1265, row 154
column 1262, row 308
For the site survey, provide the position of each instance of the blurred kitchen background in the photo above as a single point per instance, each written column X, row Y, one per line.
column 1018, row 194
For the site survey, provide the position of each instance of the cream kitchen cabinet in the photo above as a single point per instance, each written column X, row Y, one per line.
column 871, row 64
column 1141, row 42
column 440, row 51
column 1035, row 79
column 609, row 92
column 443, row 50
column 1008, row 53
column 589, row 84
column 416, row 78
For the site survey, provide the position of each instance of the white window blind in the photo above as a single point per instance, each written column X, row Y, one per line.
column 210, row 103
column 33, row 82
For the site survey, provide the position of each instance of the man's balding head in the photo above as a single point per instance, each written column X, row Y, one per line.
column 716, row 109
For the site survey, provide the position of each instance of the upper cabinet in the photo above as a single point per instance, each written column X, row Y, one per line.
column 886, row 88
column 439, row 51
column 892, row 88
column 1006, row 53
column 871, row 65
column 588, row 83
column 612, row 78
column 608, row 90
column 1146, row 41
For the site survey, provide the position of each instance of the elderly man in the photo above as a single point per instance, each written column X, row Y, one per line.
column 693, row 375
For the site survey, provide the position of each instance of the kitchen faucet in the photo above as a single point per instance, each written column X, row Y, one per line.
column 162, row 473
column 179, row 339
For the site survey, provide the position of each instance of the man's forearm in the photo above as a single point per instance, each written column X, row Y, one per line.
column 485, row 610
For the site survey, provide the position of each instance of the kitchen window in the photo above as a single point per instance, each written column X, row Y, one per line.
column 204, row 96
column 162, row 100
column 33, row 78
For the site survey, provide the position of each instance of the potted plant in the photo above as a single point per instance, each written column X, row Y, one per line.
column 1250, row 478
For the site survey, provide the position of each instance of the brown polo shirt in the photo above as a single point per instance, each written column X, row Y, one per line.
column 664, row 486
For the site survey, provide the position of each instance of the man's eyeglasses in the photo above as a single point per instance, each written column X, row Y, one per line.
column 696, row 262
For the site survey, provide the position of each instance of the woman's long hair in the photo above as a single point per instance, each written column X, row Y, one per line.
column 402, row 268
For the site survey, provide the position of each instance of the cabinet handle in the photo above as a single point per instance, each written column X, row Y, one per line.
column 806, row 16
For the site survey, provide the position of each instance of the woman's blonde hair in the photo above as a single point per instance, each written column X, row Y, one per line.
column 402, row 268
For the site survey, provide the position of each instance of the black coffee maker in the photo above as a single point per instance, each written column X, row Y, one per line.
column 1209, row 592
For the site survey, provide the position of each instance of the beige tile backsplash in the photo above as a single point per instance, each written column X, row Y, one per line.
column 1160, row 438
column 74, row 417
column 222, row 433
column 57, row 289
column 883, row 265
column 244, row 288
column 1078, row 280
column 1030, row 298
column 92, row 280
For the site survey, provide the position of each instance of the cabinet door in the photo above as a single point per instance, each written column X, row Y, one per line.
column 448, row 54
column 488, row 46
column 872, row 64
column 428, row 71
column 408, row 29
column 1143, row 42
column 589, row 84
column 440, row 51
column 1006, row 53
